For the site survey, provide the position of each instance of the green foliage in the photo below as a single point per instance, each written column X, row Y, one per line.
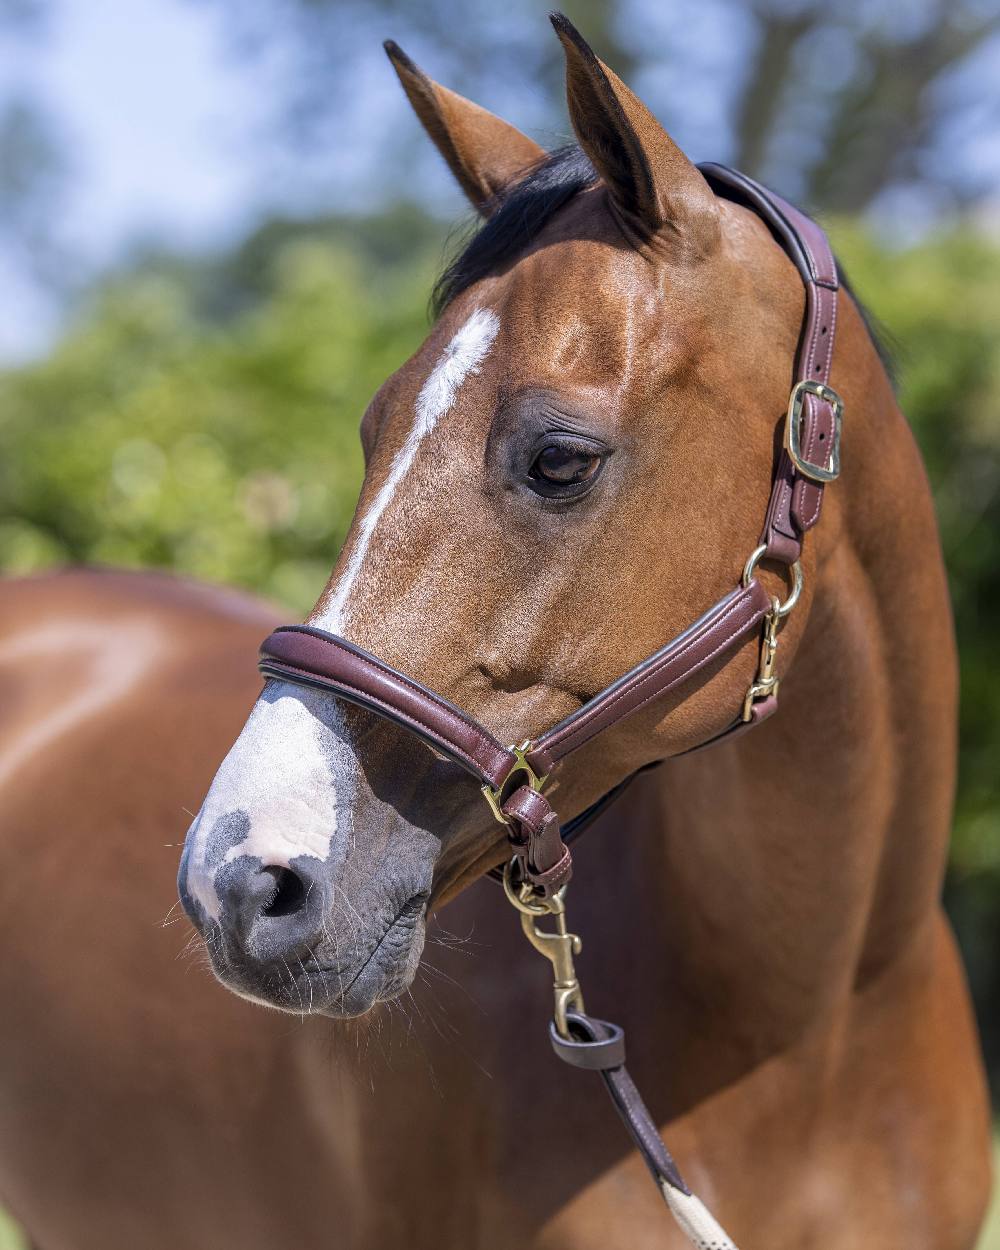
column 204, row 418
column 153, row 436
column 942, row 302
column 11, row 1237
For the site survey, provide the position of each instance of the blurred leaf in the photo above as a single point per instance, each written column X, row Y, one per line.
column 228, row 448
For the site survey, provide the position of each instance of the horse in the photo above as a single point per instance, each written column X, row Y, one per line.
column 565, row 474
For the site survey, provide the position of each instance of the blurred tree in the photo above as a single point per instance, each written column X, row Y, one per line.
column 879, row 120
column 221, row 287
column 835, row 104
column 228, row 447
column 34, row 165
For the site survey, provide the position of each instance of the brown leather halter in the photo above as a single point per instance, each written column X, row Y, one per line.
column 513, row 778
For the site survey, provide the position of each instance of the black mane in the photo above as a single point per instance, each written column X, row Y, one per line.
column 516, row 222
column 522, row 213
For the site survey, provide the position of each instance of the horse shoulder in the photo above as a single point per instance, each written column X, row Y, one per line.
column 120, row 1057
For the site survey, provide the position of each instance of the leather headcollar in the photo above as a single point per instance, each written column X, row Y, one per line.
column 512, row 778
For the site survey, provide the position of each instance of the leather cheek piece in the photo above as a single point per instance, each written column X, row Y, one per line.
column 795, row 501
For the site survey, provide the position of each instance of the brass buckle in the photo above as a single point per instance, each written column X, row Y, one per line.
column 815, row 472
column 494, row 794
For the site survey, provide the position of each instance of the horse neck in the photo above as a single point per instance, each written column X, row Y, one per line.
column 779, row 873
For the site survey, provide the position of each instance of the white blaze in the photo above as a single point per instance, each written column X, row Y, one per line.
column 463, row 356
column 292, row 767
column 289, row 770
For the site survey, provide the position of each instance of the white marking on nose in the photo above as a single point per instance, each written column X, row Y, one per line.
column 463, row 356
column 289, row 772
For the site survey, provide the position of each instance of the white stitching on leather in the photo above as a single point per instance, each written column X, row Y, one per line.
column 640, row 679
column 338, row 682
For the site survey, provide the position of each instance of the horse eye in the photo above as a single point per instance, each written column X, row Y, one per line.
column 565, row 466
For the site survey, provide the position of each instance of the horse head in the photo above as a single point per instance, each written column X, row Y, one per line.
column 569, row 470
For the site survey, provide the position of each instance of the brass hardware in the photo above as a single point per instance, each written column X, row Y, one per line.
column 766, row 682
column 782, row 609
column 494, row 794
column 830, row 471
column 558, row 947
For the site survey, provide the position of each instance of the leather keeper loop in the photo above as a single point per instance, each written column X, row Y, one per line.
column 529, row 809
column 552, row 879
column 534, row 834
column 588, row 1049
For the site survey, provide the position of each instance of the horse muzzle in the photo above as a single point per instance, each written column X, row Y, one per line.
column 289, row 938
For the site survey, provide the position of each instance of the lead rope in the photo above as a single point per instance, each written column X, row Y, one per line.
column 599, row 1046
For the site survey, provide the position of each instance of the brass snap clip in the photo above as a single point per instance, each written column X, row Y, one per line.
column 766, row 682
column 558, row 947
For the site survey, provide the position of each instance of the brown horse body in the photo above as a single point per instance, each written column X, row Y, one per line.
column 764, row 918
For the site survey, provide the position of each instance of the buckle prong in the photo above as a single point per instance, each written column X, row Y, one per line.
column 830, row 471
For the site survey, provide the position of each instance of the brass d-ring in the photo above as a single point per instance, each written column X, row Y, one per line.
column 796, row 570
column 520, row 896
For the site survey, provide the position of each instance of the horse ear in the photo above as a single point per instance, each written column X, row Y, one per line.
column 484, row 153
column 650, row 179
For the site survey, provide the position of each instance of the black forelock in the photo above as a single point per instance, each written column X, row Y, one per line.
column 516, row 221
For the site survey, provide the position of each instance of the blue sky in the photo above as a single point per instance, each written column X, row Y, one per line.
column 160, row 125
column 153, row 111
column 168, row 136
column 168, row 131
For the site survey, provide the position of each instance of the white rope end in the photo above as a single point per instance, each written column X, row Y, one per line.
column 695, row 1220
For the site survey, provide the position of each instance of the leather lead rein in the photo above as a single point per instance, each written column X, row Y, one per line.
column 513, row 778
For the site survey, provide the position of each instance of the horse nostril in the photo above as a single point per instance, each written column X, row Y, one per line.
column 289, row 893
